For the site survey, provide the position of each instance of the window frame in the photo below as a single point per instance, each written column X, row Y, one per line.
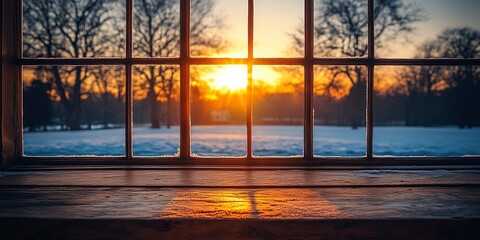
column 13, row 61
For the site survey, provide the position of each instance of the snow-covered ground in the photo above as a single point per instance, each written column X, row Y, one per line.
column 267, row 141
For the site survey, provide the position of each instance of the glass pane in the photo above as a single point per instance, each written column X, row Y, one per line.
column 74, row 110
column 73, row 29
column 341, row 28
column 219, row 28
column 218, row 110
column 339, row 106
column 434, row 29
column 427, row 111
column 278, row 30
column 156, row 110
column 277, row 111
column 156, row 28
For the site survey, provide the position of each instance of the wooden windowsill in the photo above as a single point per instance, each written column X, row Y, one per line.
column 202, row 202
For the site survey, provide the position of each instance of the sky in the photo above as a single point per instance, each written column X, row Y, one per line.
column 441, row 14
column 274, row 19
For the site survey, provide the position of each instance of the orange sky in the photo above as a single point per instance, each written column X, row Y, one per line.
column 275, row 19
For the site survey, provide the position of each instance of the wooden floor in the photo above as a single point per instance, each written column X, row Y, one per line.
column 239, row 203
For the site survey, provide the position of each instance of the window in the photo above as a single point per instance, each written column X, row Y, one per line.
column 136, row 72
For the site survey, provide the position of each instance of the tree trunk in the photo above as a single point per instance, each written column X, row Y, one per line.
column 106, row 111
column 76, row 101
column 356, row 104
column 66, row 103
column 154, row 109
column 169, row 111
column 426, row 110
column 408, row 109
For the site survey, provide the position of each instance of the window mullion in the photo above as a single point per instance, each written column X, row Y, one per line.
column 11, row 82
column 371, row 67
column 128, row 79
column 250, row 80
column 185, row 79
column 308, row 78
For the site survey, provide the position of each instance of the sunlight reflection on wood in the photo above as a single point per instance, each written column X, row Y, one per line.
column 235, row 204
column 211, row 204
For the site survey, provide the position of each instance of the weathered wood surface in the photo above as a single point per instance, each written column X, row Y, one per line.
column 11, row 112
column 230, row 178
column 221, row 203
column 240, row 204
column 21, row 228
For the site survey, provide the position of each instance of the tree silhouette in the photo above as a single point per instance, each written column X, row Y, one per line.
column 460, row 85
column 37, row 105
column 70, row 29
column 108, row 86
column 157, row 34
column 464, row 80
column 95, row 28
column 341, row 30
column 421, row 82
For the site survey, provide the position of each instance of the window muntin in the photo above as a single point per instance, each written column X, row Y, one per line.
column 307, row 62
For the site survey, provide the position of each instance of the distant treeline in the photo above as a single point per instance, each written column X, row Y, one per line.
column 442, row 108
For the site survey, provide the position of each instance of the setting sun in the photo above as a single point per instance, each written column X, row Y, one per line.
column 231, row 78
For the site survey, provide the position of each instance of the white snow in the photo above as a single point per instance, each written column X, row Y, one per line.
column 267, row 141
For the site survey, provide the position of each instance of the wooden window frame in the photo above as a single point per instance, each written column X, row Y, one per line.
column 11, row 95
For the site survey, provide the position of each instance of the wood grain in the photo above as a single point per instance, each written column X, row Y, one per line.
column 21, row 228
column 241, row 204
column 11, row 83
column 231, row 178
column 221, row 203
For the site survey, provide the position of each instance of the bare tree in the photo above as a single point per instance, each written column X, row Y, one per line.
column 70, row 29
column 341, row 30
column 37, row 104
column 108, row 85
column 463, row 80
column 157, row 34
column 407, row 81
column 460, row 43
column 424, row 81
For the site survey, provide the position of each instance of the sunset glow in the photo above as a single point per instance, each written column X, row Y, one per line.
column 225, row 66
column 230, row 78
column 235, row 77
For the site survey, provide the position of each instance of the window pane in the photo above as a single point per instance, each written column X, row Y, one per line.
column 339, row 110
column 219, row 28
column 156, row 28
column 218, row 109
column 341, row 28
column 74, row 110
column 437, row 29
column 73, row 29
column 427, row 111
column 278, row 26
column 156, row 110
column 277, row 111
